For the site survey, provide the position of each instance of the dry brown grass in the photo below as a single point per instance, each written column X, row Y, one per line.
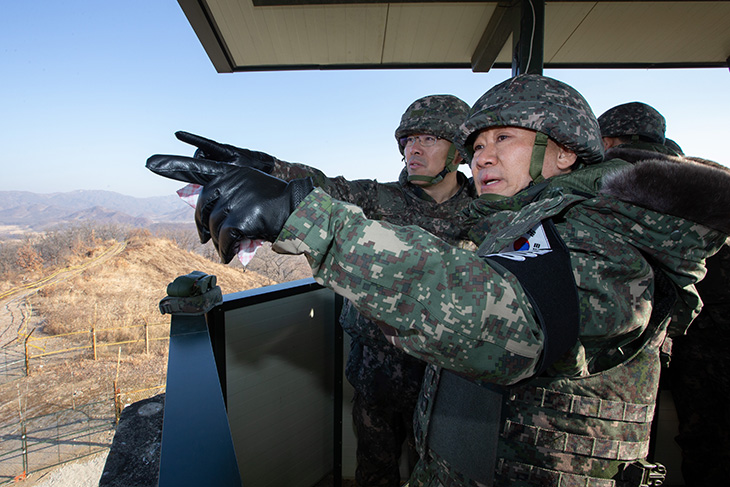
column 126, row 290
column 120, row 292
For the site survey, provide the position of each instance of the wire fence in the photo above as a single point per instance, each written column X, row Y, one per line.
column 46, row 441
column 95, row 340
column 31, row 444
column 50, row 374
column 12, row 366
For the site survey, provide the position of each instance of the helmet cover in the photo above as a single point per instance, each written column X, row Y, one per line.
column 439, row 115
column 633, row 118
column 538, row 103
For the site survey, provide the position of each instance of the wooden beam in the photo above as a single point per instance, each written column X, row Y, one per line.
column 502, row 24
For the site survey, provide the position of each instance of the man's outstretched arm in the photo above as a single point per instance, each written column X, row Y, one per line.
column 437, row 302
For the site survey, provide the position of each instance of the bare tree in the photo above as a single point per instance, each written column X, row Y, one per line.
column 278, row 267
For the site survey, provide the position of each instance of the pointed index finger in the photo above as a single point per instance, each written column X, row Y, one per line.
column 210, row 147
column 187, row 169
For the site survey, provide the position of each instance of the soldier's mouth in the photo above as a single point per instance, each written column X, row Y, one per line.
column 414, row 164
column 486, row 184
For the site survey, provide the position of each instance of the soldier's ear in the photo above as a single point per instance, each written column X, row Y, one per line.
column 566, row 158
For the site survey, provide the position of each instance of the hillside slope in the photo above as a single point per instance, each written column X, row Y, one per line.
column 122, row 291
column 128, row 288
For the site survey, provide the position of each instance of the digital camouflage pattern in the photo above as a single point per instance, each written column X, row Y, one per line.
column 386, row 380
column 439, row 115
column 633, row 118
column 195, row 293
column 383, row 412
column 448, row 307
column 541, row 104
column 399, row 202
column 699, row 363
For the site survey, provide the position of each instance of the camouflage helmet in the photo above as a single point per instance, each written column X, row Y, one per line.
column 439, row 115
column 633, row 118
column 673, row 146
column 538, row 103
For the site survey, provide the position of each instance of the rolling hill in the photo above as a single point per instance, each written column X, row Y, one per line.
column 22, row 211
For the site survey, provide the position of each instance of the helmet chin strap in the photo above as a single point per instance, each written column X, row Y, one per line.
column 449, row 166
column 536, row 162
column 538, row 156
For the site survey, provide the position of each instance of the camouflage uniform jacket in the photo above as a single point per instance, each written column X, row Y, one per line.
column 450, row 308
column 401, row 203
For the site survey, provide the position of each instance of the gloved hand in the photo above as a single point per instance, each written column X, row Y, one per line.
column 210, row 149
column 236, row 203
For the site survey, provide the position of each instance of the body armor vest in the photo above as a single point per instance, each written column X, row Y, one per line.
column 557, row 431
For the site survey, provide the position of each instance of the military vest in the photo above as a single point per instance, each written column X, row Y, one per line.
column 547, row 430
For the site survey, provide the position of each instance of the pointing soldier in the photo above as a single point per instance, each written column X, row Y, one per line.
column 543, row 345
column 430, row 193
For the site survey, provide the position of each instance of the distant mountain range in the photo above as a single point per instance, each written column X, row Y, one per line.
column 25, row 211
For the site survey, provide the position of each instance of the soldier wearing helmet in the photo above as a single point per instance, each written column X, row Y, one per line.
column 425, row 135
column 430, row 193
column 557, row 125
column 543, row 345
column 635, row 125
column 699, row 359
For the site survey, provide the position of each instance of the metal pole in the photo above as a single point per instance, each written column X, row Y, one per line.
column 24, row 446
column 529, row 41
column 93, row 340
column 27, row 357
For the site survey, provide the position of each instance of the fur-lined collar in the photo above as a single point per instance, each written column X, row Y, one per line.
column 694, row 189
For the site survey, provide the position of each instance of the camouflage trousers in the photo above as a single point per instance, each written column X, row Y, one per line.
column 700, row 382
column 381, row 433
column 386, row 383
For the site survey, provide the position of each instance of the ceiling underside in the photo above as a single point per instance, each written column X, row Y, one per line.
column 239, row 36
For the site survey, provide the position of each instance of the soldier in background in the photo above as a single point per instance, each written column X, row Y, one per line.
column 699, row 367
column 429, row 193
column 635, row 125
column 543, row 346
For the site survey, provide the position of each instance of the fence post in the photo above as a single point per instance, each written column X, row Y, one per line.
column 146, row 336
column 117, row 392
column 27, row 357
column 24, row 447
column 117, row 401
column 93, row 340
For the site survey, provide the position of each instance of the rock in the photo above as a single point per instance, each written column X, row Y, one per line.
column 134, row 457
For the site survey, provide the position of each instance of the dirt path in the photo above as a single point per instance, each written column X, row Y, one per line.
column 15, row 314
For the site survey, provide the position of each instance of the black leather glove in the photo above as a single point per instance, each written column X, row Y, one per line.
column 210, row 149
column 236, row 203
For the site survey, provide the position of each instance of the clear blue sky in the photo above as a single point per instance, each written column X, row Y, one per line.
column 91, row 88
